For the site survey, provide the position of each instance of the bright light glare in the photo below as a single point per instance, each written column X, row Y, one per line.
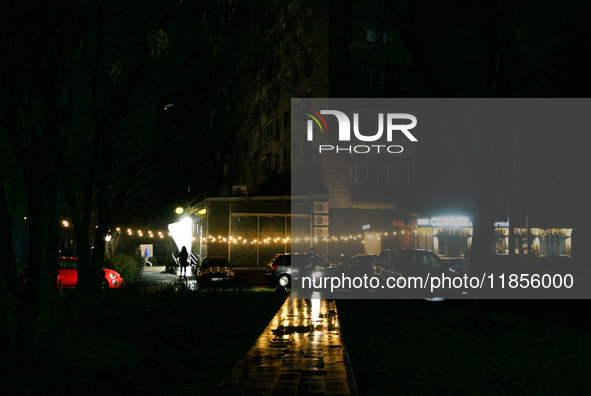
column 181, row 233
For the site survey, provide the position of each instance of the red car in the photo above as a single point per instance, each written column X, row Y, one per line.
column 67, row 273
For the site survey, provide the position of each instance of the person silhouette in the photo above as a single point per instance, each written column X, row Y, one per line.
column 183, row 257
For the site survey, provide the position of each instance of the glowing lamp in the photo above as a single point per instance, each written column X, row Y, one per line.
column 181, row 233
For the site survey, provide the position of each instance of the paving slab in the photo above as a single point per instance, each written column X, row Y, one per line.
column 300, row 353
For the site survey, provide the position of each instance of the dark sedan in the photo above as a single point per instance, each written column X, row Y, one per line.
column 356, row 266
column 215, row 270
column 409, row 272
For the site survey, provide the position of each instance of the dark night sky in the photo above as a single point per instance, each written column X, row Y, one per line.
column 553, row 46
column 551, row 38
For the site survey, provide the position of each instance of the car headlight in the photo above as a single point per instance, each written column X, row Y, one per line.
column 112, row 275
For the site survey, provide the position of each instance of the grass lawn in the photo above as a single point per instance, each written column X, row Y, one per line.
column 425, row 348
column 137, row 343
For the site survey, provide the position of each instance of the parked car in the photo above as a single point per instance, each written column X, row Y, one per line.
column 215, row 270
column 67, row 273
column 356, row 266
column 279, row 270
column 409, row 263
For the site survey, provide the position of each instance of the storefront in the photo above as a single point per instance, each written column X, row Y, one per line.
column 544, row 241
column 249, row 232
column 450, row 237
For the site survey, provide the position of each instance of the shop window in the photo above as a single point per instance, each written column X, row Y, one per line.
column 561, row 245
column 442, row 243
column 543, row 246
column 243, row 228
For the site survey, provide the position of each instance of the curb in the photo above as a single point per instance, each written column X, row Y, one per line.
column 350, row 376
column 221, row 385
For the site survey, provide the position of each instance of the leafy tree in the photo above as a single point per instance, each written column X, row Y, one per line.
column 40, row 48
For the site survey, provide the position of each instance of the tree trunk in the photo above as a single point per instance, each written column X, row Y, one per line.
column 38, row 309
column 8, row 268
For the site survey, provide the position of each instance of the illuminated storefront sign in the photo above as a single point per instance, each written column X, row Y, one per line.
column 447, row 221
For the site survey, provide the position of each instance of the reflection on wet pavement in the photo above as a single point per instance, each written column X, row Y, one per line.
column 299, row 353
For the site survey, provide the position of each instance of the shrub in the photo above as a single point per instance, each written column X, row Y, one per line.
column 129, row 267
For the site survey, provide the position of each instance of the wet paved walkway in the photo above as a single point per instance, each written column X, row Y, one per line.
column 299, row 353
